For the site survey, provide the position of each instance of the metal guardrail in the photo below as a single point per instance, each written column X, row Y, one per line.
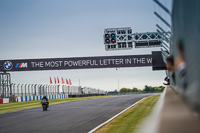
column 48, row 89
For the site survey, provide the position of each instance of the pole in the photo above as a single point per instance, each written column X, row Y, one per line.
column 118, row 85
column 162, row 6
column 162, row 19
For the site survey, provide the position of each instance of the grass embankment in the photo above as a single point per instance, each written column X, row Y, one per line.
column 9, row 107
column 131, row 119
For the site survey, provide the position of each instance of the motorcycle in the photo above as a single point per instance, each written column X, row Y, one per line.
column 44, row 104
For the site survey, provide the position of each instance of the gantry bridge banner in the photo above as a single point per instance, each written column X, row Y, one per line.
column 76, row 63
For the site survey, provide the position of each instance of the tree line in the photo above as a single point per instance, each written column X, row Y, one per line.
column 146, row 89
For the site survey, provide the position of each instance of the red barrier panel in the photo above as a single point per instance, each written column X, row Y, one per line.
column 1, row 100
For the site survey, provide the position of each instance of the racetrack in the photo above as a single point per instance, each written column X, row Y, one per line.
column 71, row 117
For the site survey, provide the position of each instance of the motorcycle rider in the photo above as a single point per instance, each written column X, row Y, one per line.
column 47, row 101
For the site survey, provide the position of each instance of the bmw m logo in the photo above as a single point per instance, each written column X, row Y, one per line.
column 7, row 65
column 21, row 65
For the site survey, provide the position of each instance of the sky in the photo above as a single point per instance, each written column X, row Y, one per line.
column 32, row 29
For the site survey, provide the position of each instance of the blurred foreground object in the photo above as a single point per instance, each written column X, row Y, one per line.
column 171, row 115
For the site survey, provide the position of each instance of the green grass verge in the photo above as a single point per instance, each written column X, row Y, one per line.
column 130, row 120
column 9, row 107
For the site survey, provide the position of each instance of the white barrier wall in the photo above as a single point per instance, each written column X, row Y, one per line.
column 4, row 100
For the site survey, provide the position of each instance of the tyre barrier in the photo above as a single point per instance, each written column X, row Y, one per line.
column 35, row 98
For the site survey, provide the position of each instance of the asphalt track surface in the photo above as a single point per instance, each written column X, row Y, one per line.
column 70, row 117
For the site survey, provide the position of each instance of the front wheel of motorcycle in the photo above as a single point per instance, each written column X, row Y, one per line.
column 43, row 108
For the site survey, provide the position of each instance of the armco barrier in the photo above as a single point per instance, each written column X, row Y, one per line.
column 34, row 98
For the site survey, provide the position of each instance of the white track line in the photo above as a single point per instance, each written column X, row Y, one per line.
column 93, row 130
